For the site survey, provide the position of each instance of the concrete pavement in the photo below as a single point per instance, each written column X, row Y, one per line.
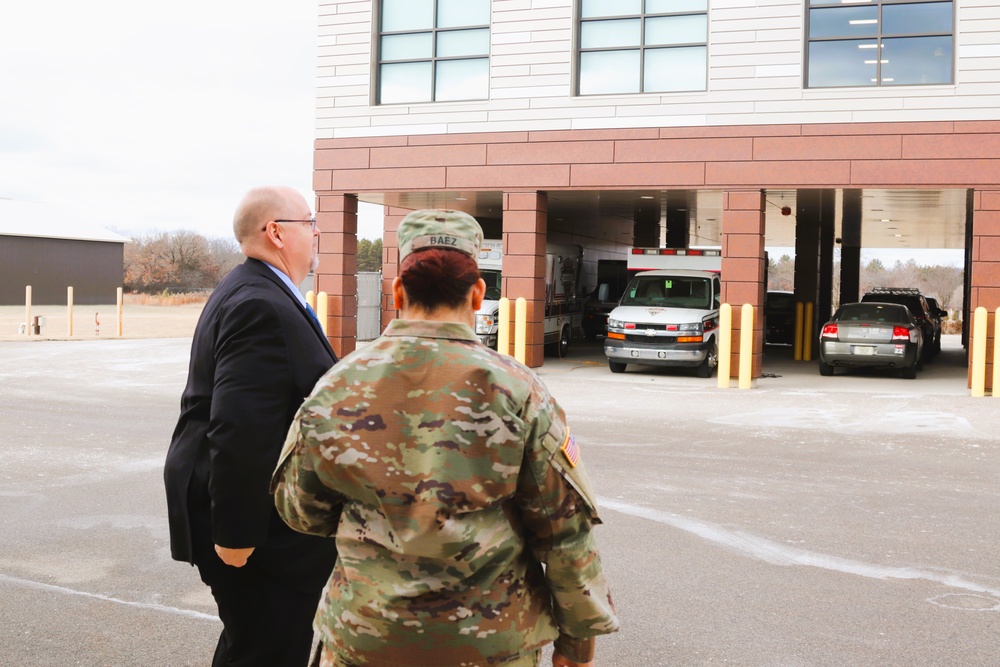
column 810, row 521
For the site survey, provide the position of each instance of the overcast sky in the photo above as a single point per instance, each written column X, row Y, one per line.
column 160, row 116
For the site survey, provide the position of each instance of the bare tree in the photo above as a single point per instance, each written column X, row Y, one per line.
column 180, row 260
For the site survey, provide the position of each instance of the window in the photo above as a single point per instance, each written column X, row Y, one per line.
column 642, row 46
column 880, row 43
column 433, row 51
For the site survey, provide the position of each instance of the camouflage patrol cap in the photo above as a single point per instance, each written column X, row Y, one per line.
column 439, row 228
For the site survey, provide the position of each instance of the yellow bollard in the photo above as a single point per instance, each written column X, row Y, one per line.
column 979, row 331
column 520, row 329
column 120, row 300
column 27, row 309
column 311, row 299
column 322, row 309
column 995, row 387
column 69, row 311
column 797, row 340
column 746, row 347
column 807, row 332
column 725, row 344
column 503, row 326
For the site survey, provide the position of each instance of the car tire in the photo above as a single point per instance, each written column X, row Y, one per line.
column 617, row 366
column 825, row 369
column 919, row 364
column 707, row 367
column 910, row 372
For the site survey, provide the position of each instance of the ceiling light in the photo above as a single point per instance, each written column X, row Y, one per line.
column 863, row 22
column 646, row 197
column 885, row 220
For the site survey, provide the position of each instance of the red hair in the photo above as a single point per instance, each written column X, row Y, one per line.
column 437, row 277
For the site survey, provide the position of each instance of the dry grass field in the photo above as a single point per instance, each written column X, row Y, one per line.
column 142, row 317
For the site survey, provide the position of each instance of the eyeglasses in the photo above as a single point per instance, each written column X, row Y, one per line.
column 311, row 222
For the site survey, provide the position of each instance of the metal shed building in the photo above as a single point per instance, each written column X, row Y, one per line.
column 49, row 249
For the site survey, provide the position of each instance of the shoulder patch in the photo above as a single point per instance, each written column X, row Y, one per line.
column 571, row 450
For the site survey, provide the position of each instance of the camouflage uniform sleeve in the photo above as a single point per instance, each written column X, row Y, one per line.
column 558, row 512
column 302, row 500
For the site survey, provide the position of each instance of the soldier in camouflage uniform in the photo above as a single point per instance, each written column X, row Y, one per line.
column 462, row 511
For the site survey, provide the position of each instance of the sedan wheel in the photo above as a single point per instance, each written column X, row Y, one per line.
column 616, row 366
column 825, row 369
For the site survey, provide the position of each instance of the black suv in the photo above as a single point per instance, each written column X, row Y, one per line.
column 928, row 319
column 779, row 318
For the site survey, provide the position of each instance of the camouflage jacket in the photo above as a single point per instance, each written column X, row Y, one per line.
column 461, row 509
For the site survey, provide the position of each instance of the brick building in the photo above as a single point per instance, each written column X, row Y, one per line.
column 825, row 125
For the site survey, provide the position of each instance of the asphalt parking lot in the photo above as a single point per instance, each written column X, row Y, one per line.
column 851, row 520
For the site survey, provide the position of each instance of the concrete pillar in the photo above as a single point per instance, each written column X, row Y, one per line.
column 525, row 228
column 985, row 284
column 337, row 219
column 850, row 247
column 743, row 266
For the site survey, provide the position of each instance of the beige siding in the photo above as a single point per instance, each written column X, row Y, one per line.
column 756, row 59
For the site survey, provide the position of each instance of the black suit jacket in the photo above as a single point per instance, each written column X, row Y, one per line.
column 256, row 355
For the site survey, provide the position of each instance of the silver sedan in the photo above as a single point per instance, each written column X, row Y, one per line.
column 871, row 334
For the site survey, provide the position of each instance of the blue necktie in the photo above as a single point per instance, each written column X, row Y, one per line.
column 312, row 313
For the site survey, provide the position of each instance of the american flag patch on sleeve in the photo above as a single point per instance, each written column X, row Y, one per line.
column 571, row 450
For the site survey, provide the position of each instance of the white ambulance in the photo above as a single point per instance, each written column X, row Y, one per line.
column 669, row 313
column 563, row 303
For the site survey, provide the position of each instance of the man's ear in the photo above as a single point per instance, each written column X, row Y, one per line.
column 273, row 234
column 477, row 294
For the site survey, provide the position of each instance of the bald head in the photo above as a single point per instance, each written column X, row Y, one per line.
column 261, row 205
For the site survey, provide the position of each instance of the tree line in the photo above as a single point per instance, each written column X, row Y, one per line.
column 944, row 283
column 186, row 261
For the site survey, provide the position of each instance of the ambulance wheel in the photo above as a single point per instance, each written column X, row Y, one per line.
column 564, row 341
column 707, row 367
column 617, row 366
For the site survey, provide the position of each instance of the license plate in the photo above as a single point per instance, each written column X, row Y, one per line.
column 863, row 350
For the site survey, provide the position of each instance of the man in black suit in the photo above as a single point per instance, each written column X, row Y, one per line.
column 258, row 350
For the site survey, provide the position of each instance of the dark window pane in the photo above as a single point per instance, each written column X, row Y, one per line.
column 842, row 63
column 843, row 22
column 915, row 60
column 917, row 18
